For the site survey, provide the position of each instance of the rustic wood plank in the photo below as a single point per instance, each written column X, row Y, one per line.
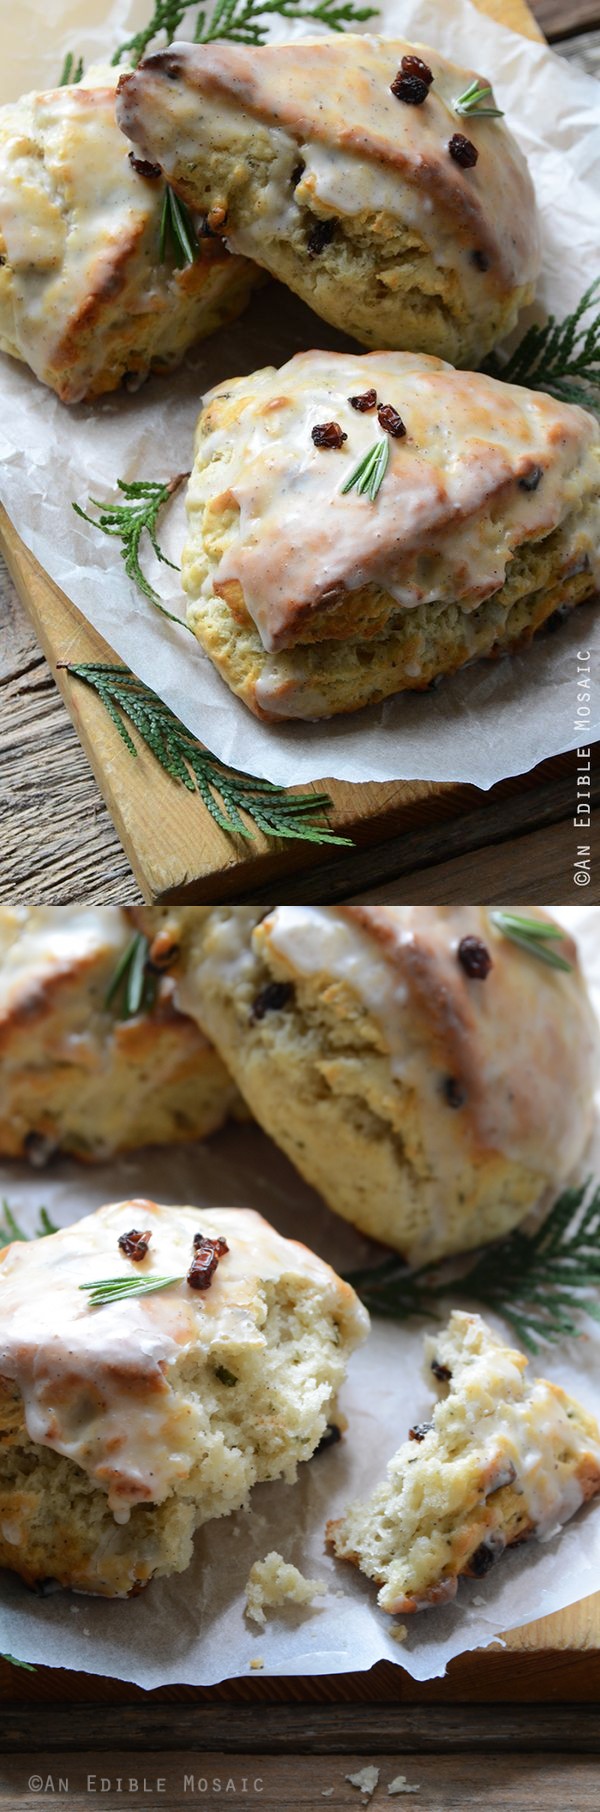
column 443, row 1784
column 290, row 1729
column 584, row 50
column 538, row 867
column 563, row 18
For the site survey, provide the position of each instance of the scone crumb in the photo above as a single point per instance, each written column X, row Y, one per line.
column 326, row 1792
column 366, row 1779
column 399, row 1631
column 275, row 1581
column 400, row 1785
column 257, row 1663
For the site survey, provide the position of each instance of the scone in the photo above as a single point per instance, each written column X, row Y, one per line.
column 77, row 1076
column 88, row 295
column 427, row 1075
column 126, row 1426
column 343, row 166
column 313, row 595
column 502, row 1460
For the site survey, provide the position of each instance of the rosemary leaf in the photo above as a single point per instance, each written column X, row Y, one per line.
column 177, row 231
column 541, row 1282
column 11, row 1230
column 563, row 358
column 242, row 21
column 132, row 980
column 225, row 792
column 128, row 521
column 532, row 935
column 71, row 73
column 27, row 1665
column 470, row 102
column 367, row 477
column 118, row 1289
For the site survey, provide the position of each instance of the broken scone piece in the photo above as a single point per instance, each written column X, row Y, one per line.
column 81, row 1070
column 501, row 1460
column 341, row 165
column 127, row 1425
column 94, row 287
column 274, row 1581
column 364, row 524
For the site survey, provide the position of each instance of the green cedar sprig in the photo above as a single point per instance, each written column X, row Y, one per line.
column 129, row 521
column 241, row 21
column 225, row 792
column 10, row 1228
column 539, row 1282
column 563, row 357
column 536, row 936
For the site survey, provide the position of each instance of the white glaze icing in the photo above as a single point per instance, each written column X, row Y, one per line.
column 524, row 1031
column 95, row 1382
column 364, row 151
column 40, row 942
column 448, row 516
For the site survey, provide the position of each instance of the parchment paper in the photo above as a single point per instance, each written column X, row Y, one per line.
column 192, row 1628
column 488, row 722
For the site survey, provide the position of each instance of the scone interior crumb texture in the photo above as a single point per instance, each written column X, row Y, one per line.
column 87, row 295
column 127, row 1426
column 348, row 194
column 312, row 599
column 76, row 1073
column 427, row 1105
column 501, row 1460
column 273, row 1582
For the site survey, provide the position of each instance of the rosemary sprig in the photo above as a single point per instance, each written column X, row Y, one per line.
column 27, row 1665
column 118, row 1289
column 132, row 980
column 225, row 792
column 470, row 101
column 539, row 1282
column 71, row 73
column 367, row 477
column 534, row 936
column 144, row 499
column 563, row 359
column 11, row 1230
column 177, row 231
column 242, row 21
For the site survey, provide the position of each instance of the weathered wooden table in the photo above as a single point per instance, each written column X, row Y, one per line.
column 58, row 840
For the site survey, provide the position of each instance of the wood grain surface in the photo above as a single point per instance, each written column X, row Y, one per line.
column 57, row 838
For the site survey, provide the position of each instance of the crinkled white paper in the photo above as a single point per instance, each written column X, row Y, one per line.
column 192, row 1628
column 488, row 722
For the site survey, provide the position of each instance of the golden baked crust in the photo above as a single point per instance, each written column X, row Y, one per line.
column 74, row 1075
column 123, row 1428
column 318, row 171
column 428, row 1107
column 502, row 1460
column 312, row 600
column 85, row 298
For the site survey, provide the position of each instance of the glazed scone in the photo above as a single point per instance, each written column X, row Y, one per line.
column 127, row 1426
column 87, row 295
column 503, row 1459
column 309, row 162
column 311, row 598
column 430, row 1106
column 75, row 1075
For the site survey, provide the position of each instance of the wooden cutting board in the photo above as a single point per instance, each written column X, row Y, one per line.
column 175, row 848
